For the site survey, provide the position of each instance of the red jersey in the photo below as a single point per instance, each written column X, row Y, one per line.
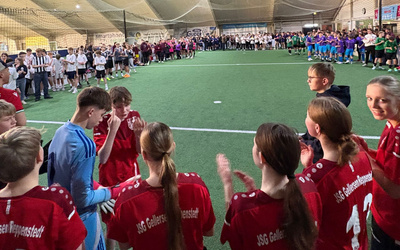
column 346, row 197
column 42, row 218
column 386, row 210
column 122, row 162
column 12, row 97
column 140, row 216
column 254, row 219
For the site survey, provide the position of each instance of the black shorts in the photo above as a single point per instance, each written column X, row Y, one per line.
column 390, row 56
column 109, row 64
column 126, row 62
column 289, row 47
column 48, row 73
column 118, row 62
column 379, row 53
column 302, row 46
column 81, row 72
column 71, row 74
column 100, row 73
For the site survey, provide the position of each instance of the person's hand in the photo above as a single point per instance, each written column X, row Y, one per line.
column 307, row 155
column 114, row 121
column 108, row 206
column 116, row 190
column 138, row 126
column 224, row 169
column 246, row 179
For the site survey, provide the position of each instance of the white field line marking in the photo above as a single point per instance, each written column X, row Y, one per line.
column 229, row 64
column 201, row 129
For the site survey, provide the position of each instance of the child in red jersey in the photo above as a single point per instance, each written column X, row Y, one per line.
column 33, row 217
column 383, row 99
column 168, row 210
column 117, row 140
column 343, row 176
column 276, row 216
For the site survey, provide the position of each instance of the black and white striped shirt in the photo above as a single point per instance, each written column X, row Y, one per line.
column 40, row 61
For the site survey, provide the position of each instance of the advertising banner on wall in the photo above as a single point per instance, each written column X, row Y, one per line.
column 148, row 35
column 364, row 24
column 388, row 12
column 108, row 38
column 196, row 31
column 242, row 28
column 398, row 12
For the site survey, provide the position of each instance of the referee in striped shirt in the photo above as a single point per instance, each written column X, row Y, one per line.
column 39, row 63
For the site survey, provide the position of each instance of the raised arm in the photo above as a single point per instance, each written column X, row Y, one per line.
column 224, row 171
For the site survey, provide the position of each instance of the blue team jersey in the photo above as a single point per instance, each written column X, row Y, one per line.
column 71, row 161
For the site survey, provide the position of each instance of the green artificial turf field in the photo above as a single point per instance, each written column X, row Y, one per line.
column 253, row 87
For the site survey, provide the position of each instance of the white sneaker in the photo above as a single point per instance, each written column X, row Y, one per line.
column 347, row 62
column 364, row 65
column 310, row 59
column 339, row 62
column 41, row 92
column 111, row 77
column 373, row 68
column 106, row 88
column 380, row 67
column 23, row 102
column 75, row 91
column 71, row 89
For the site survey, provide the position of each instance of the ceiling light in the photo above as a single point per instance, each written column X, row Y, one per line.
column 78, row 6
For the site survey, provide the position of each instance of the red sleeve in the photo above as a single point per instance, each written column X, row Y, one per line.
column 72, row 231
column 311, row 196
column 209, row 217
column 100, row 133
column 229, row 232
column 12, row 97
column 115, row 229
column 388, row 154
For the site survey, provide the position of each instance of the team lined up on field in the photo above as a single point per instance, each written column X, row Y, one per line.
column 325, row 207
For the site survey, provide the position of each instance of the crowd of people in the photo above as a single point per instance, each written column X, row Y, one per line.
column 324, row 207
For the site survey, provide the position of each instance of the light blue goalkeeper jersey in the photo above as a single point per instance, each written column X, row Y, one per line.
column 71, row 161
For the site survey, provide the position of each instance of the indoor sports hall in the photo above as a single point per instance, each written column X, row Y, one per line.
column 214, row 101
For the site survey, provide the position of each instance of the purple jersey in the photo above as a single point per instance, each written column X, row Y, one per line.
column 350, row 43
column 322, row 41
column 360, row 42
column 309, row 41
column 334, row 41
column 330, row 39
column 317, row 39
column 340, row 50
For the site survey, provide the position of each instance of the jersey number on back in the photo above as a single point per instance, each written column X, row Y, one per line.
column 354, row 221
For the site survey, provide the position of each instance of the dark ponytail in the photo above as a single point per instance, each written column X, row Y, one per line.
column 280, row 147
column 299, row 225
column 157, row 141
column 347, row 149
column 171, row 198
